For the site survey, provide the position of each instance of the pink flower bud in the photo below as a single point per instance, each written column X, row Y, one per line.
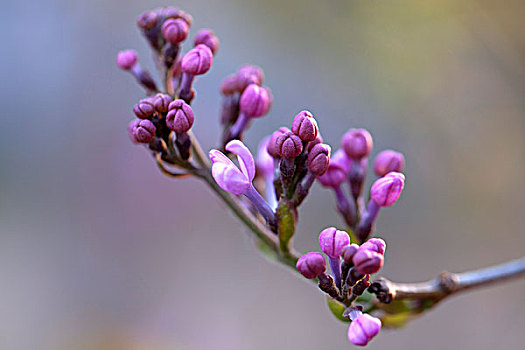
column 198, row 60
column 208, row 38
column 127, row 59
column 131, row 130
column 386, row 190
column 337, row 170
column 319, row 159
column 387, row 161
column 168, row 12
column 180, row 117
column 311, row 265
column 145, row 108
column 175, row 30
column 255, row 101
column 317, row 140
column 357, row 143
column 162, row 102
column 375, row 244
column 368, row 261
column 305, row 126
column 144, row 131
column 147, row 20
column 273, row 147
column 363, row 329
column 249, row 74
column 229, row 85
column 289, row 145
column 348, row 252
column 332, row 241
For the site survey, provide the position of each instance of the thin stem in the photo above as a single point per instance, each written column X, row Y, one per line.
column 169, row 172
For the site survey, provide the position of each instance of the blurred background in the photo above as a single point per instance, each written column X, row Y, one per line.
column 99, row 251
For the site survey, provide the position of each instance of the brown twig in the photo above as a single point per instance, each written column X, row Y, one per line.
column 447, row 283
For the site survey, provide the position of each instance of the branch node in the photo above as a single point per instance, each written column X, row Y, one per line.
column 448, row 282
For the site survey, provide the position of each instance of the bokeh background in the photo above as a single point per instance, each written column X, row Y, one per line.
column 99, row 251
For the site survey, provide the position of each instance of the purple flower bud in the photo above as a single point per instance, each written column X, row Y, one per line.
column 363, row 329
column 386, row 190
column 198, row 60
column 228, row 176
column 337, row 170
column 229, row 85
column 289, row 145
column 357, row 143
column 168, row 12
column 144, row 131
column 317, row 140
column 255, row 101
column 131, row 130
column 162, row 102
column 127, row 59
column 311, row 265
column 375, row 244
column 368, row 261
column 249, row 74
column 387, row 161
column 145, row 108
column 180, row 117
column 348, row 252
column 332, row 241
column 273, row 147
column 175, row 30
column 147, row 20
column 305, row 126
column 319, row 159
column 208, row 38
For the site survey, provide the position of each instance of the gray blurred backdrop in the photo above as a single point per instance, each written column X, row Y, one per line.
column 98, row 250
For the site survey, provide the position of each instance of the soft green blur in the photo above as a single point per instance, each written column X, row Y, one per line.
column 99, row 251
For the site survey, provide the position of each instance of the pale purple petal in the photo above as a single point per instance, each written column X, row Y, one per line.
column 244, row 156
column 227, row 175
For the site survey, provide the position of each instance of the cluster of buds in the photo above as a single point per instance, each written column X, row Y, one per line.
column 266, row 191
column 349, row 165
column 244, row 98
column 164, row 118
column 351, row 266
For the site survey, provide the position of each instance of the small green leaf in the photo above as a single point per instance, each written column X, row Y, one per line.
column 337, row 309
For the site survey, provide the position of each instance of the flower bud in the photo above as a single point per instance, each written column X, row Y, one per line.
column 273, row 147
column 131, row 130
column 161, row 102
column 386, row 190
column 317, row 140
column 363, row 329
column 145, row 108
column 229, row 85
column 249, row 74
column 198, row 60
column 319, row 159
column 368, row 261
column 168, row 12
column 289, row 145
column 175, row 30
column 147, row 20
column 357, row 143
column 144, row 131
column 387, row 161
column 180, row 117
column 305, row 126
column 311, row 265
column 337, row 170
column 255, row 101
column 375, row 244
column 348, row 252
column 208, row 38
column 332, row 241
column 127, row 59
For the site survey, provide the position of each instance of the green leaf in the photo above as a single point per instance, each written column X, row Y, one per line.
column 337, row 309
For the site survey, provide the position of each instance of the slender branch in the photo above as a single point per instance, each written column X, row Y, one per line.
column 448, row 283
column 167, row 171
